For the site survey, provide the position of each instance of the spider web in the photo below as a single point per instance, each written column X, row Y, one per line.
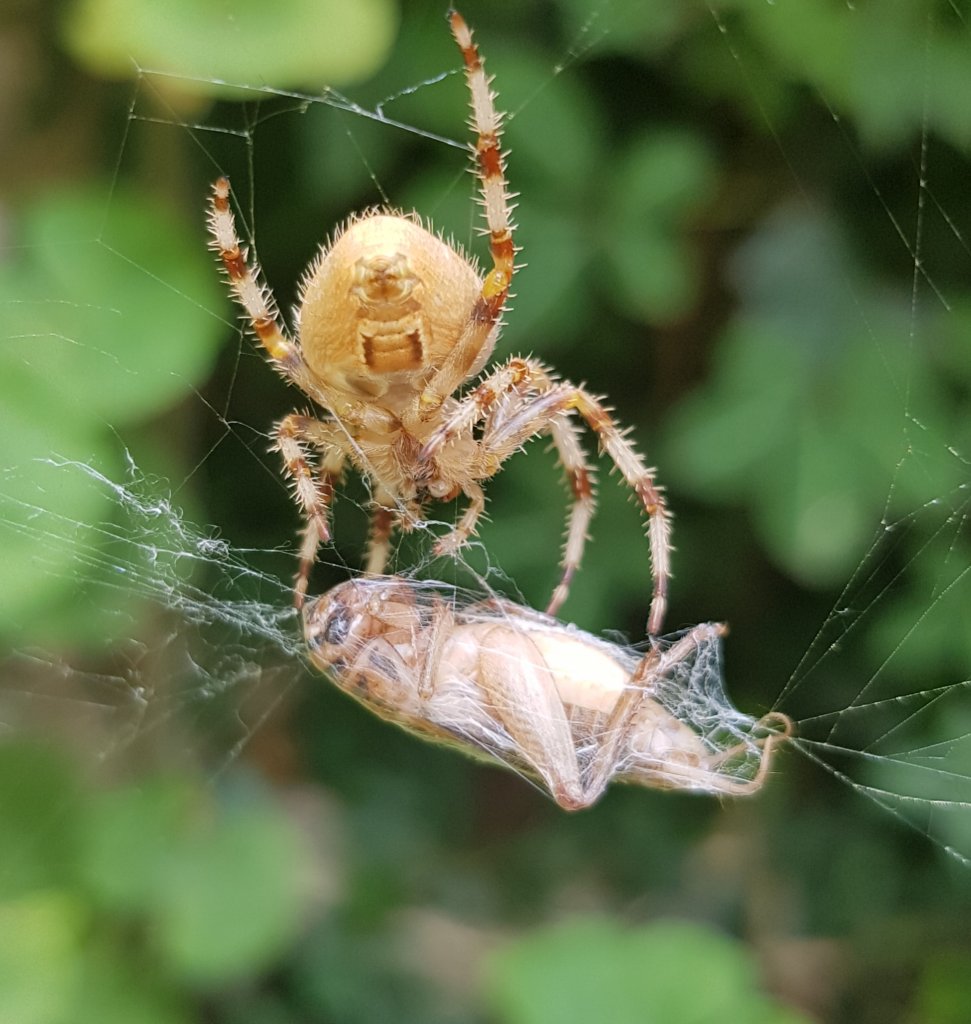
column 200, row 646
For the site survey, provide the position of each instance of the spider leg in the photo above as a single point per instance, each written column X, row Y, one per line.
column 515, row 376
column 540, row 411
column 313, row 493
column 255, row 298
column 507, row 387
column 655, row 663
column 451, row 542
column 379, row 537
column 490, row 169
column 579, row 475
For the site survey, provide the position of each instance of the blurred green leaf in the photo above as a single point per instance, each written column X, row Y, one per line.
column 49, row 521
column 290, row 43
column 106, row 322
column 813, row 39
column 648, row 275
column 348, row 974
column 216, row 887
column 40, row 805
column 597, row 970
column 552, row 134
column 944, row 992
column 111, row 305
column 128, row 837
column 550, row 303
column 868, row 62
column 887, row 72
column 637, row 28
column 40, row 946
column 229, row 898
column 115, row 987
column 784, row 421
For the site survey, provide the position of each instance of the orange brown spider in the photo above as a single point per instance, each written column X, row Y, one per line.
column 391, row 322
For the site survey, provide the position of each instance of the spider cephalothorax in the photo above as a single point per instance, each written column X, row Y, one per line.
column 391, row 322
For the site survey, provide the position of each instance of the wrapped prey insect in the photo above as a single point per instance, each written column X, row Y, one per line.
column 566, row 709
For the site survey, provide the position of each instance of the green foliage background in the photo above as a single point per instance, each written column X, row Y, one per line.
column 718, row 213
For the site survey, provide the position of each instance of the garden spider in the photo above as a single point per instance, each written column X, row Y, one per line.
column 391, row 322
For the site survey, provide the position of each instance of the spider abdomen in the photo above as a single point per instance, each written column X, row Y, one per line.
column 383, row 305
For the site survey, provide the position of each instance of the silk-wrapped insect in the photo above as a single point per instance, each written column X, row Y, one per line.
column 560, row 706
column 392, row 322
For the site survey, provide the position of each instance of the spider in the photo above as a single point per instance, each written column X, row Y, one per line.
column 391, row 322
column 562, row 707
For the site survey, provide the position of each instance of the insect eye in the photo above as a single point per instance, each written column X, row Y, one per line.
column 337, row 627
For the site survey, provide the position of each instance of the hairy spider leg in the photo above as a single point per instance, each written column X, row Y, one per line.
column 542, row 410
column 518, row 377
column 254, row 296
column 293, row 432
column 486, row 122
column 379, row 535
column 535, row 417
column 314, row 492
